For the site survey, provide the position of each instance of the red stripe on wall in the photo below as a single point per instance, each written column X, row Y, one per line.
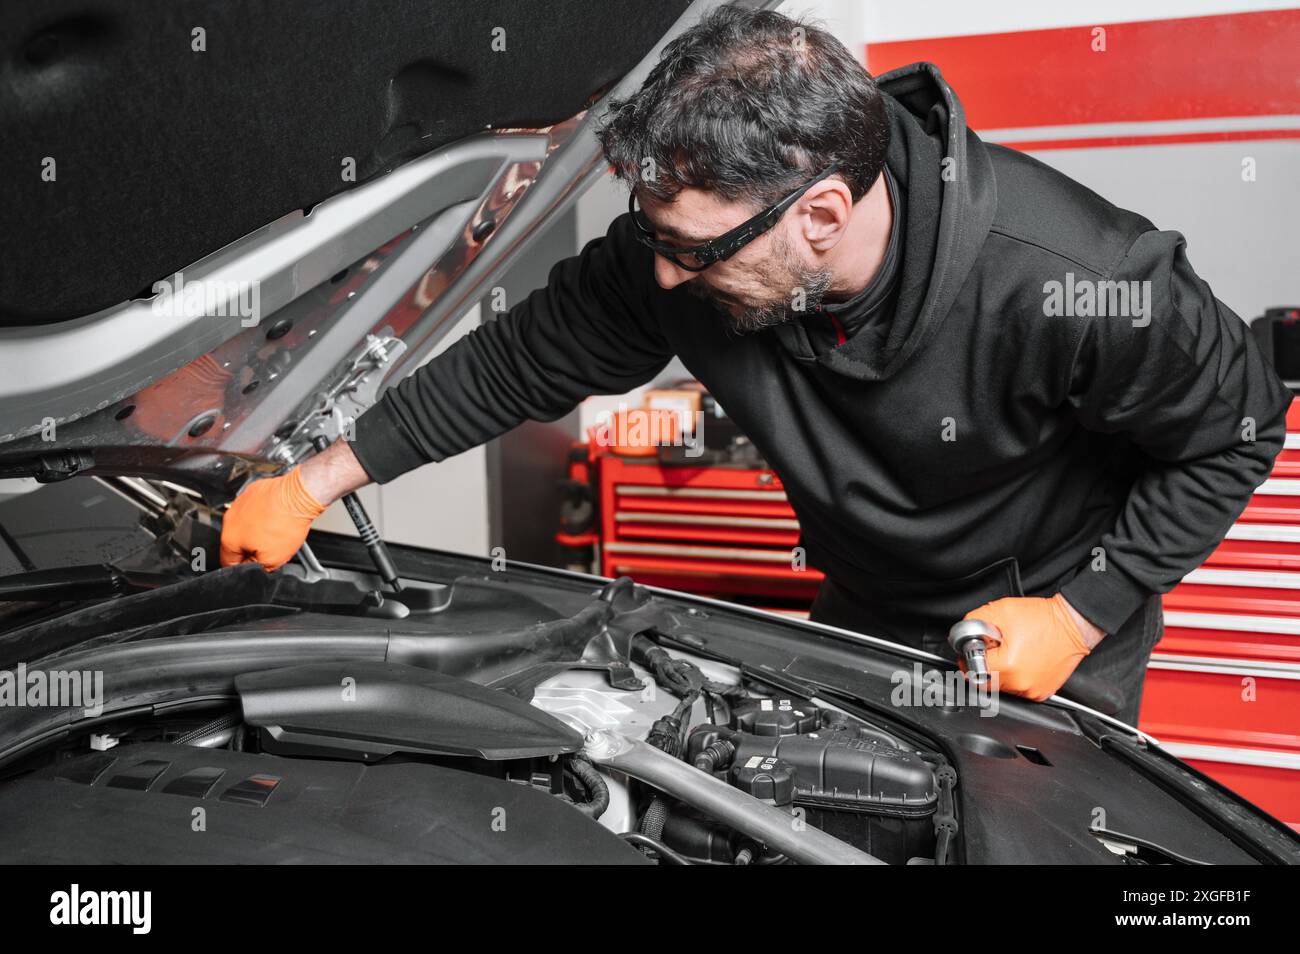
column 1165, row 140
column 1241, row 64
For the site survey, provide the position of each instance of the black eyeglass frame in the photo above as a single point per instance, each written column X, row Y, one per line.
column 728, row 243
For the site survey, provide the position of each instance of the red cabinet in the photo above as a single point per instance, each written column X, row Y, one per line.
column 726, row 532
column 1223, row 687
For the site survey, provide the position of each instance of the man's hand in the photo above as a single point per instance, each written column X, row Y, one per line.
column 269, row 521
column 1043, row 640
column 1092, row 635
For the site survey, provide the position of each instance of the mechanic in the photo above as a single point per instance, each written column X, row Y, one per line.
column 879, row 300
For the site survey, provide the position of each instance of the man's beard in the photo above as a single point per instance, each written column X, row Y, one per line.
column 755, row 316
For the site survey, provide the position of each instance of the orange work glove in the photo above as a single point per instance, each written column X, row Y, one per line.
column 268, row 522
column 1041, row 644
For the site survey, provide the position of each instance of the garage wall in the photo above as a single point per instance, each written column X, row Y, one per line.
column 443, row 505
column 1187, row 113
column 505, row 493
column 856, row 22
column 604, row 202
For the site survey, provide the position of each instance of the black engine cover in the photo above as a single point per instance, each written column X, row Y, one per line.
column 137, row 805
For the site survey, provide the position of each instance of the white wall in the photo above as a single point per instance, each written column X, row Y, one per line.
column 1241, row 236
column 605, row 201
column 443, row 505
column 856, row 22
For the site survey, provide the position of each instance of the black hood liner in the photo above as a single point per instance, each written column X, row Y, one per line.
column 164, row 155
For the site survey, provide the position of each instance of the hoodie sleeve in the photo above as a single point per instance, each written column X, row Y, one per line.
column 590, row 330
column 1185, row 382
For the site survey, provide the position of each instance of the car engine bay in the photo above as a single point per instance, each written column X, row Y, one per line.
column 503, row 713
column 361, row 761
column 454, row 721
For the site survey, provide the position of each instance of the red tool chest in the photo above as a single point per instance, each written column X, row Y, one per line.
column 727, row 532
column 1223, row 687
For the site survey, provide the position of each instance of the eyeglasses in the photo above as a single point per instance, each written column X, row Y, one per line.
column 696, row 258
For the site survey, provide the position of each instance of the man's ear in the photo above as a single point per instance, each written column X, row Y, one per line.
column 824, row 212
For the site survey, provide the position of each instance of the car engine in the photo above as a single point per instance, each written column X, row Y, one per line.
column 672, row 758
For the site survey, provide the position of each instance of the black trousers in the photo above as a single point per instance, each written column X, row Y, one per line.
column 1119, row 660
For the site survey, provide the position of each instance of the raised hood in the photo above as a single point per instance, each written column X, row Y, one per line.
column 223, row 242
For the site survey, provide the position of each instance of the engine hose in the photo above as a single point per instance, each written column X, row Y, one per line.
column 685, row 679
column 725, row 701
column 717, row 756
column 675, row 675
column 683, row 716
column 652, row 822
column 211, row 734
column 597, row 790
column 653, row 844
column 665, row 734
column 683, row 710
column 680, row 676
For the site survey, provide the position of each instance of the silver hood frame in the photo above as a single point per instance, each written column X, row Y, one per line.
column 351, row 297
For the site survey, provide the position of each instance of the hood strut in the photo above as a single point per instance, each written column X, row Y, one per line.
column 369, row 535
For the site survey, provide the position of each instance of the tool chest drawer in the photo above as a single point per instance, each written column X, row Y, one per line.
column 727, row 532
column 1223, row 686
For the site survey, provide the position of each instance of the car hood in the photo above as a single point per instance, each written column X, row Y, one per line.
column 488, row 666
column 245, row 347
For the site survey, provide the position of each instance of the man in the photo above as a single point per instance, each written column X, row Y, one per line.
column 988, row 391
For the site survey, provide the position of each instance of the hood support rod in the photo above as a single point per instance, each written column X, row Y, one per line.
column 369, row 535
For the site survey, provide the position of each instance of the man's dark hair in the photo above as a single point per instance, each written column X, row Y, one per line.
column 750, row 105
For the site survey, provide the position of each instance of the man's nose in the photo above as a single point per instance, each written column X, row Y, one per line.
column 668, row 275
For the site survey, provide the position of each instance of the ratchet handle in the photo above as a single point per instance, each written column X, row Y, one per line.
column 970, row 638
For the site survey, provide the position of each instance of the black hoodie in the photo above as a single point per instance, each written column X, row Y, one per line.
column 1006, row 439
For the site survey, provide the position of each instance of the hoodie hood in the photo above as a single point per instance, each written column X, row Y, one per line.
column 951, row 197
